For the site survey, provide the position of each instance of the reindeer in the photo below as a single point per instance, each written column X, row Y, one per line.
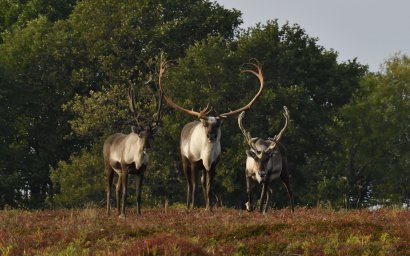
column 128, row 153
column 266, row 160
column 200, row 142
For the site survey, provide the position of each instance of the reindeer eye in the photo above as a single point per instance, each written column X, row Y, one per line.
column 250, row 153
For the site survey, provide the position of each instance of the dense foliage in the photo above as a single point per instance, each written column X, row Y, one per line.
column 65, row 67
column 197, row 232
column 374, row 131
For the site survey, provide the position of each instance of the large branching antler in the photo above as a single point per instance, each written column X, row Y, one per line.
column 131, row 104
column 277, row 137
column 258, row 73
column 248, row 137
column 156, row 117
column 201, row 114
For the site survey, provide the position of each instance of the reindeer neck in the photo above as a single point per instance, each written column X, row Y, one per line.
column 134, row 150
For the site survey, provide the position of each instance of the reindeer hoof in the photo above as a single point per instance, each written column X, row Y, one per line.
column 248, row 206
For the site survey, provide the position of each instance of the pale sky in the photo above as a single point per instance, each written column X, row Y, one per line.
column 371, row 30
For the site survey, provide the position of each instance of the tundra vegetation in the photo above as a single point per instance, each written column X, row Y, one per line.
column 226, row 231
column 64, row 69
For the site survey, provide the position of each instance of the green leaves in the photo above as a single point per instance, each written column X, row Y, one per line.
column 375, row 133
column 96, row 112
column 78, row 181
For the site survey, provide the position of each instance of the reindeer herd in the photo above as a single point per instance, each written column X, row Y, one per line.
column 200, row 149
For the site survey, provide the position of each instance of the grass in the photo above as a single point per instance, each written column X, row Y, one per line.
column 198, row 232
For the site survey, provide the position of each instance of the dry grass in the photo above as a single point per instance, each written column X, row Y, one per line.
column 197, row 232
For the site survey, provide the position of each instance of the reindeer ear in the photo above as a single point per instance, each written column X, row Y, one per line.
column 136, row 129
column 155, row 130
column 204, row 122
column 219, row 120
column 250, row 153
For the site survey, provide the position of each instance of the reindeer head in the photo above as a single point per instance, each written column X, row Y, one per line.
column 261, row 151
column 212, row 124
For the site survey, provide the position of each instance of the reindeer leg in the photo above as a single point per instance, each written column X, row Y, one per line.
column 248, row 204
column 204, row 177
column 284, row 176
column 193, row 184
column 110, row 175
column 263, row 195
column 268, row 197
column 140, row 178
column 208, row 191
column 117, row 194
column 209, row 183
column 124, row 182
column 187, row 173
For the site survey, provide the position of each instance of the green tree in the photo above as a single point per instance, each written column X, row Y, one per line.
column 9, row 179
column 374, row 134
column 14, row 13
column 79, row 180
column 37, row 70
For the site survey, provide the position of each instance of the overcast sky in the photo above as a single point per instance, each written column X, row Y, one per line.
column 371, row 30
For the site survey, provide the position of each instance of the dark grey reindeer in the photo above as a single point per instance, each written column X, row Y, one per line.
column 266, row 160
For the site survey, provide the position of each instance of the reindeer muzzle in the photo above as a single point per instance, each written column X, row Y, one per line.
column 263, row 177
column 211, row 138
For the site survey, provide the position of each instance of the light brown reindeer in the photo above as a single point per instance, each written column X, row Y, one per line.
column 266, row 160
column 127, row 154
column 200, row 142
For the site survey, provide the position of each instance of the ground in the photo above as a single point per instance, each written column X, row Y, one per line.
column 176, row 231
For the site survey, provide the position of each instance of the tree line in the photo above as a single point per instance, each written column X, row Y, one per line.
column 65, row 67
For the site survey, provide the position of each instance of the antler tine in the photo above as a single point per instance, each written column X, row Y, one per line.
column 277, row 137
column 286, row 115
column 162, row 67
column 245, row 133
column 205, row 111
column 131, row 103
column 240, row 124
column 130, row 93
column 200, row 114
column 157, row 115
column 259, row 75
column 256, row 65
